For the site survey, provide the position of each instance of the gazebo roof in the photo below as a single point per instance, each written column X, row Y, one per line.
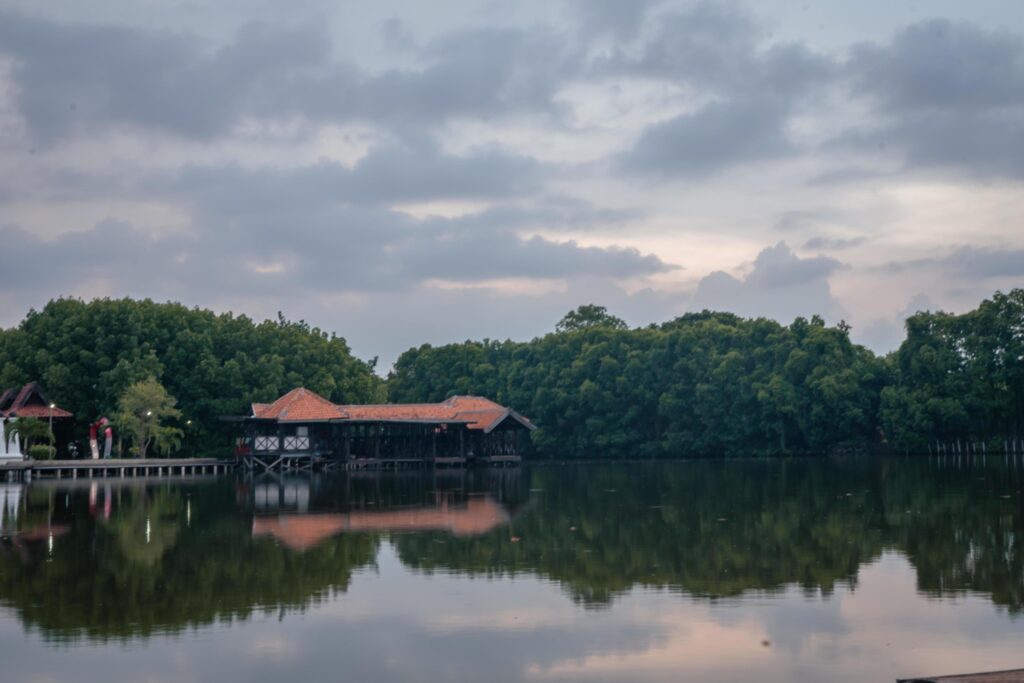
column 29, row 401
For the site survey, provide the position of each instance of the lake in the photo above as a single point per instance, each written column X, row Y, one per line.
column 799, row 570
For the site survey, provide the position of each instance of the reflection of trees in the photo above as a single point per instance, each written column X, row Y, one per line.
column 707, row 529
column 719, row 529
column 103, row 580
column 962, row 529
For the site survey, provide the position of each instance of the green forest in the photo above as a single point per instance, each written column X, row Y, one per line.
column 714, row 384
column 705, row 384
column 86, row 355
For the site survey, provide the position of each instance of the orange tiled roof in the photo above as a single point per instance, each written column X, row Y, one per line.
column 43, row 412
column 29, row 402
column 301, row 405
column 298, row 405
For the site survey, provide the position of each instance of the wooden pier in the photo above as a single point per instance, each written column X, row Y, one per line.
column 1014, row 676
column 92, row 469
column 312, row 463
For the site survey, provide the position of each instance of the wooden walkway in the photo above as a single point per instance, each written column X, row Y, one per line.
column 273, row 462
column 134, row 467
column 1015, row 676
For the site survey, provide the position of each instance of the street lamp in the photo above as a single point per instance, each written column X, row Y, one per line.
column 52, row 440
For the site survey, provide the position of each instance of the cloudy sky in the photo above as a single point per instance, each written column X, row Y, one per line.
column 407, row 172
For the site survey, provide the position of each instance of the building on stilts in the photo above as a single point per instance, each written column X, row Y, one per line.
column 304, row 430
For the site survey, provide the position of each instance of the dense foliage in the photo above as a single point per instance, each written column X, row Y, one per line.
column 714, row 384
column 959, row 377
column 87, row 354
column 705, row 384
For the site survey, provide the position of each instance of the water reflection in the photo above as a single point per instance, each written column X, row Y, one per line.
column 119, row 560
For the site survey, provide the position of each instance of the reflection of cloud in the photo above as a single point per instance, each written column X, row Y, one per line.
column 273, row 647
column 401, row 625
column 699, row 646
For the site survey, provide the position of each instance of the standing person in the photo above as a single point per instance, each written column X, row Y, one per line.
column 93, row 446
column 108, row 438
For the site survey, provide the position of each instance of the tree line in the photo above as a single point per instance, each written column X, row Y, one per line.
column 88, row 354
column 713, row 384
column 705, row 384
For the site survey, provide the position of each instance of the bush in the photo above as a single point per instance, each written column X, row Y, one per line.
column 42, row 452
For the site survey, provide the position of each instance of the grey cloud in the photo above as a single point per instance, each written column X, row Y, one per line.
column 476, row 256
column 978, row 143
column 805, row 219
column 720, row 51
column 287, row 233
column 389, row 173
column 74, row 77
column 550, row 213
column 709, row 140
column 780, row 286
column 427, row 173
column 708, row 42
column 940, row 65
column 620, row 19
column 886, row 334
column 969, row 262
column 951, row 97
column 481, row 73
column 833, row 243
column 778, row 266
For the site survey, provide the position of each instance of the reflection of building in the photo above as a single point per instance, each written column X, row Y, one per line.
column 478, row 515
column 302, row 424
column 10, row 502
column 287, row 495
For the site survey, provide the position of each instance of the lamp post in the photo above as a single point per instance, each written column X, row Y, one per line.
column 53, row 441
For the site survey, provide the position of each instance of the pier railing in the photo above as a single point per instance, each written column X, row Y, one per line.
column 127, row 467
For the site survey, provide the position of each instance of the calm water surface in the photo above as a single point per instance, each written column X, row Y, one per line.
column 838, row 570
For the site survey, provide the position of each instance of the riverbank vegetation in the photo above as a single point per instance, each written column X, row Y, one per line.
column 705, row 384
column 714, row 384
column 88, row 354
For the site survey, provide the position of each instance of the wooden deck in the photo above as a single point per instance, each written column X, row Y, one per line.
column 272, row 462
column 133, row 467
column 1014, row 676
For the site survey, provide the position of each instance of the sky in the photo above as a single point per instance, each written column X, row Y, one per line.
column 404, row 173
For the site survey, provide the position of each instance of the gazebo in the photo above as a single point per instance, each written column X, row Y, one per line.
column 302, row 425
column 27, row 402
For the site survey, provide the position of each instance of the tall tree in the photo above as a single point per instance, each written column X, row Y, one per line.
column 589, row 316
column 143, row 412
